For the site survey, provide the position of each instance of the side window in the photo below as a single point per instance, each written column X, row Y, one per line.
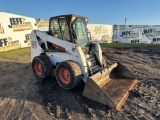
column 55, row 29
column 64, row 29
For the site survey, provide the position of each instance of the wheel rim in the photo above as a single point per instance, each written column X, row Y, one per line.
column 64, row 75
column 38, row 67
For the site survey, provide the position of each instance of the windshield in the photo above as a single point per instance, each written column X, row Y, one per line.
column 81, row 32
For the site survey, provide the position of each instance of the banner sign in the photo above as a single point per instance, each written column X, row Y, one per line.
column 1, row 29
column 101, row 33
column 15, row 32
column 9, row 44
column 42, row 24
column 136, row 33
column 27, row 39
column 19, row 24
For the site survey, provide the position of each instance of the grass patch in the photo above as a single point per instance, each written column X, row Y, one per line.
column 24, row 55
column 19, row 55
column 109, row 45
column 17, row 52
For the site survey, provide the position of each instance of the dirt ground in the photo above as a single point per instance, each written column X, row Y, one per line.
column 22, row 97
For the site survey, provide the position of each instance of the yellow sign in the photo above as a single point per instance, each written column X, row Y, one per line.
column 19, row 24
column 153, row 33
column 119, row 27
column 7, row 44
column 1, row 29
column 135, row 26
column 114, row 37
column 42, row 23
column 27, row 39
column 131, row 35
column 100, row 30
column 21, row 27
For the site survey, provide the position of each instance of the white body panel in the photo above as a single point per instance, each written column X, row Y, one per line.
column 56, row 57
column 73, row 52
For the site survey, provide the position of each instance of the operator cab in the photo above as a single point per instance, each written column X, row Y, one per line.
column 71, row 28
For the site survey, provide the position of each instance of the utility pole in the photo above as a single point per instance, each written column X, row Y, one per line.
column 125, row 21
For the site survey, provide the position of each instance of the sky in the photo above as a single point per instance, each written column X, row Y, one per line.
column 138, row 12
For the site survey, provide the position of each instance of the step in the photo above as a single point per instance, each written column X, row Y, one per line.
column 90, row 59
column 93, row 67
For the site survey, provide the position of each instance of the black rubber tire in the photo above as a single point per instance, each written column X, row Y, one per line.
column 75, row 74
column 46, row 66
column 104, row 62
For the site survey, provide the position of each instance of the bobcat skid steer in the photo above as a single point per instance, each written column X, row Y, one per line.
column 66, row 48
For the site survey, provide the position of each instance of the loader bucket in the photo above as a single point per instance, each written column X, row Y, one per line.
column 111, row 86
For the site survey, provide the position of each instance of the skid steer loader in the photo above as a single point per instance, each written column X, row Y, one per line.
column 66, row 48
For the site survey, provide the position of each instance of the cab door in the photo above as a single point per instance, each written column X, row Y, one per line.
column 60, row 29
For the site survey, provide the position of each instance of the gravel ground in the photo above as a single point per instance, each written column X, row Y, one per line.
column 22, row 97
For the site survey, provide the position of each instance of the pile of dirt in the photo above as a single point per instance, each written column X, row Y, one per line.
column 23, row 97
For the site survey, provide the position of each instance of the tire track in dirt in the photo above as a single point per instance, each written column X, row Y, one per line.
column 19, row 93
column 63, row 105
column 144, row 101
column 137, row 105
column 137, row 63
column 27, row 98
